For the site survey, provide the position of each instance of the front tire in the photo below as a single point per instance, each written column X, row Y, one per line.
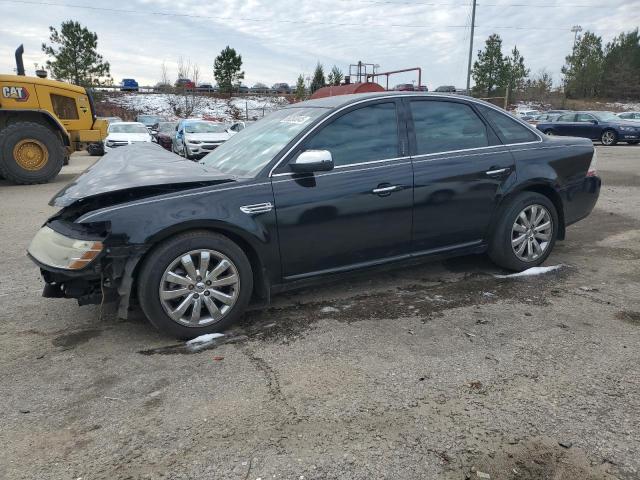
column 549, row 132
column 609, row 138
column 525, row 233
column 30, row 153
column 195, row 283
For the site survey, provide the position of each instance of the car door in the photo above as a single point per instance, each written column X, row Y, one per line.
column 585, row 126
column 564, row 124
column 357, row 214
column 459, row 168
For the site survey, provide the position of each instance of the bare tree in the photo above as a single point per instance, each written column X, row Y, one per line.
column 186, row 100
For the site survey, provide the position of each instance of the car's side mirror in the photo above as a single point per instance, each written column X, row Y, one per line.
column 595, row 122
column 312, row 161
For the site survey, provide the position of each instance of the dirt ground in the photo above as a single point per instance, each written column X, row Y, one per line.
column 435, row 371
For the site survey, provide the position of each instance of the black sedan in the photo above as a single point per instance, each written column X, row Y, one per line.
column 312, row 191
column 604, row 126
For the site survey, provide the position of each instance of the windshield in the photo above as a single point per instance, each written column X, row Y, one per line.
column 249, row 151
column 606, row 116
column 204, row 127
column 127, row 128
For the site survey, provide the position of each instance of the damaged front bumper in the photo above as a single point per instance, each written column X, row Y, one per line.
column 82, row 261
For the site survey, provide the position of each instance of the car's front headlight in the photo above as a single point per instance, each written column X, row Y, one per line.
column 56, row 250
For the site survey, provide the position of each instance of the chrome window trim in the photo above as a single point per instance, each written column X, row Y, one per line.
column 372, row 99
column 333, row 172
column 339, row 167
column 89, row 215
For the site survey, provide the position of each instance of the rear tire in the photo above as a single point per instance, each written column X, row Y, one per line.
column 165, row 261
column 549, row 132
column 509, row 230
column 30, row 153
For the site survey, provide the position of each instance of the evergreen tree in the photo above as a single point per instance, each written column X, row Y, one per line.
column 489, row 71
column 300, row 90
column 621, row 71
column 335, row 76
column 516, row 72
column 584, row 67
column 227, row 69
column 318, row 80
column 75, row 56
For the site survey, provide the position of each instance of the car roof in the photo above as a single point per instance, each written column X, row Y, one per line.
column 343, row 100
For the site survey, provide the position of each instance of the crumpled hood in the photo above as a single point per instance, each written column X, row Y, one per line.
column 135, row 167
column 208, row 137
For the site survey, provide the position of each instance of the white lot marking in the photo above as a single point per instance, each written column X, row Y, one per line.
column 532, row 271
column 204, row 338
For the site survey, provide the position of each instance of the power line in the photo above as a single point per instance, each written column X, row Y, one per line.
column 468, row 4
column 268, row 20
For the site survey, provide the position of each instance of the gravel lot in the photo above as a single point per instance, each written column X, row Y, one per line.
column 436, row 371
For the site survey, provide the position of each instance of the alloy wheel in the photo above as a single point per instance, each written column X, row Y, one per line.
column 199, row 288
column 608, row 137
column 531, row 233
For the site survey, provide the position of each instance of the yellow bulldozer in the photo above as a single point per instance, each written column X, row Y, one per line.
column 41, row 123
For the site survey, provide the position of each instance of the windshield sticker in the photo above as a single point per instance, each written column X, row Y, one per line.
column 295, row 119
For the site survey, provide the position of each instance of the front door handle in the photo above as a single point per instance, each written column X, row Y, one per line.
column 385, row 190
column 496, row 172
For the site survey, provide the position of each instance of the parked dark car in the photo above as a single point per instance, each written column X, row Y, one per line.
column 128, row 85
column 150, row 120
column 446, row 89
column 206, row 87
column 404, row 87
column 311, row 191
column 604, row 126
column 259, row 88
column 185, row 83
column 165, row 133
column 281, row 88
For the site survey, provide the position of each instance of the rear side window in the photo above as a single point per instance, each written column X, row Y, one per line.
column 446, row 126
column 363, row 135
column 507, row 128
column 64, row 107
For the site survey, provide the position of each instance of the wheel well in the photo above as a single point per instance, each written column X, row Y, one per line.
column 261, row 290
column 552, row 195
column 8, row 117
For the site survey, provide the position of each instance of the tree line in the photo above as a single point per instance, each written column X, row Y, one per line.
column 590, row 70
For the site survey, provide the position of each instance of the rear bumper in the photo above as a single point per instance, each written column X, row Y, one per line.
column 580, row 198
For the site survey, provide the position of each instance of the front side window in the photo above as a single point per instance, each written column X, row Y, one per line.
column 64, row 107
column 446, row 126
column 363, row 135
column 566, row 118
column 584, row 118
column 509, row 130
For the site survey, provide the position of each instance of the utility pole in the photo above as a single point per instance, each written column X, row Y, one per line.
column 575, row 29
column 473, row 27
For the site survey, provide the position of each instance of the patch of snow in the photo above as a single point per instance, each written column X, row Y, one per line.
column 329, row 310
column 532, row 271
column 207, row 107
column 204, row 338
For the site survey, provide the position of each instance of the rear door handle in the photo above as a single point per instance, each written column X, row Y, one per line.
column 386, row 190
column 496, row 172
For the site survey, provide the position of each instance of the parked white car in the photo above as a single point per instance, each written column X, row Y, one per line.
column 125, row 133
column 196, row 138
column 631, row 116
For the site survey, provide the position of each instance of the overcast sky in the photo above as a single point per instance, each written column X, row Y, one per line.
column 280, row 39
